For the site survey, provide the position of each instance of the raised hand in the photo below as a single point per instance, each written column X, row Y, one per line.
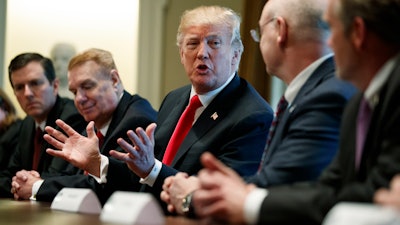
column 80, row 151
column 140, row 155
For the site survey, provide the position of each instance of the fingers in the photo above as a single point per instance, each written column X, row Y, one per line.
column 22, row 175
column 165, row 197
column 381, row 196
column 180, row 175
column 90, row 130
column 55, row 137
column 34, row 173
column 120, row 156
column 65, row 127
column 150, row 131
column 54, row 142
column 56, row 153
column 138, row 139
column 167, row 183
column 204, row 201
column 127, row 147
column 395, row 184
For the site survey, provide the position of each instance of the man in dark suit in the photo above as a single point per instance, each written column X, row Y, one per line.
column 367, row 54
column 100, row 97
column 35, row 85
column 232, row 123
column 306, row 137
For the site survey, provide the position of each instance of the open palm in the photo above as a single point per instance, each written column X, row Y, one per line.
column 73, row 147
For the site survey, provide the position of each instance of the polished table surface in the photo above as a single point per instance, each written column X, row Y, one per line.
column 39, row 213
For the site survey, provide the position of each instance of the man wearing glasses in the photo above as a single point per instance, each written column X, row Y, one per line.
column 305, row 131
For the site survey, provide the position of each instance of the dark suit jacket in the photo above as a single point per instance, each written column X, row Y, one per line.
column 237, row 136
column 308, row 203
column 8, row 141
column 23, row 152
column 307, row 136
column 132, row 111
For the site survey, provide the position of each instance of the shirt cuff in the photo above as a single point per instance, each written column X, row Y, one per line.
column 35, row 189
column 252, row 205
column 103, row 170
column 151, row 178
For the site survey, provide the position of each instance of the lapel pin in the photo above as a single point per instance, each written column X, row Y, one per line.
column 214, row 116
column 291, row 109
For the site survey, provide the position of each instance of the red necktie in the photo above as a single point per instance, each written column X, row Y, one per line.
column 101, row 138
column 281, row 107
column 37, row 146
column 181, row 129
column 363, row 119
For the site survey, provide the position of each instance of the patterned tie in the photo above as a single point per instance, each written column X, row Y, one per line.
column 181, row 130
column 37, row 148
column 363, row 120
column 281, row 107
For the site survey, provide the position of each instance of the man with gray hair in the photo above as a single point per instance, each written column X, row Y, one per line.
column 305, row 137
column 231, row 119
column 367, row 53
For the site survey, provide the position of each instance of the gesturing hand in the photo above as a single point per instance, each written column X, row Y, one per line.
column 140, row 155
column 80, row 151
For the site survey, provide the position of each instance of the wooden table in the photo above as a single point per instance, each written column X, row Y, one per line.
column 39, row 213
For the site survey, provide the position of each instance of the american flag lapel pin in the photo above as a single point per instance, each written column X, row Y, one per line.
column 214, row 116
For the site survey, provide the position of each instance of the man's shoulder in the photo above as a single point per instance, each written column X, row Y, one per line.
column 136, row 103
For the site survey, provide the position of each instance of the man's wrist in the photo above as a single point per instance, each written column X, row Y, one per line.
column 187, row 206
column 35, row 189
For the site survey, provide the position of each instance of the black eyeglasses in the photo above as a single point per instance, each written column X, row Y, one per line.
column 255, row 33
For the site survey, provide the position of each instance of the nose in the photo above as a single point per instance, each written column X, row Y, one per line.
column 27, row 90
column 80, row 96
column 203, row 52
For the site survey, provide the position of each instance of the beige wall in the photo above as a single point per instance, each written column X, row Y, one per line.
column 173, row 75
column 148, row 59
column 108, row 24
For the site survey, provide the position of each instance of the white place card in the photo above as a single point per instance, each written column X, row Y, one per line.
column 132, row 208
column 80, row 200
column 346, row 213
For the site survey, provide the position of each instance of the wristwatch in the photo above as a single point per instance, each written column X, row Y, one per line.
column 187, row 207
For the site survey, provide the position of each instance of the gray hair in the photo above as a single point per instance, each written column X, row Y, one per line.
column 215, row 15
column 303, row 16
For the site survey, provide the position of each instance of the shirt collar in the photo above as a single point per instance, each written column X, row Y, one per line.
column 297, row 83
column 206, row 98
column 42, row 125
column 371, row 94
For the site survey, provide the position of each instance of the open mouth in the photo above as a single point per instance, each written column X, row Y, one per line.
column 202, row 69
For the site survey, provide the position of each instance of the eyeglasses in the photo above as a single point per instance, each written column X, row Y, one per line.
column 255, row 33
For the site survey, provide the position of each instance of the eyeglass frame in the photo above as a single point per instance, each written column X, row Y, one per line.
column 255, row 33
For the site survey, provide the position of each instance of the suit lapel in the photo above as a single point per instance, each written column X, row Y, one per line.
column 211, row 116
column 324, row 71
column 386, row 105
